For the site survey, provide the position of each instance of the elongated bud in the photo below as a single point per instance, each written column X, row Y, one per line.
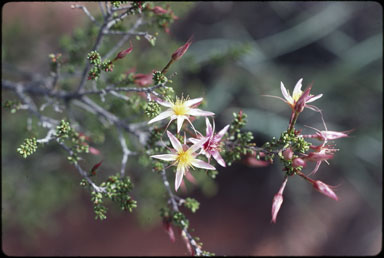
column 287, row 154
column 298, row 162
column 95, row 167
column 278, row 201
column 159, row 10
column 299, row 106
column 181, row 50
column 333, row 135
column 318, row 156
column 168, row 228
column 325, row 189
column 125, row 52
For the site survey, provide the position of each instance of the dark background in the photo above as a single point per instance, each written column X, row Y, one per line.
column 240, row 52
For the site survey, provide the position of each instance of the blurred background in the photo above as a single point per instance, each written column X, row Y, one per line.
column 241, row 51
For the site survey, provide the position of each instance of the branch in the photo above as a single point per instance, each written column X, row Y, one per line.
column 85, row 10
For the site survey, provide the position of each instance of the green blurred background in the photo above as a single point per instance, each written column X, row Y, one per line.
column 241, row 51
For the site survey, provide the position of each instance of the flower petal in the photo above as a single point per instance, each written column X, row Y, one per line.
column 202, row 164
column 198, row 145
column 209, row 127
column 314, row 98
column 192, row 102
column 166, row 157
column 180, row 121
column 216, row 155
column 175, row 142
column 285, row 93
column 199, row 112
column 164, row 103
column 161, row 116
column 297, row 90
column 222, row 132
column 179, row 176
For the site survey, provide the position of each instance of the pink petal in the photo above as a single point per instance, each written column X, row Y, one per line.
column 216, row 155
column 164, row 103
column 161, row 116
column 209, row 127
column 179, row 176
column 222, row 132
column 192, row 102
column 311, row 99
column 165, row 157
column 199, row 112
column 202, row 164
column 198, row 145
column 175, row 142
column 285, row 93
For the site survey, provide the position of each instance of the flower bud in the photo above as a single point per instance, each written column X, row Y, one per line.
column 123, row 53
column 299, row 106
column 143, row 79
column 325, row 189
column 287, row 154
column 333, row 135
column 181, row 50
column 318, row 156
column 277, row 201
column 168, row 228
column 298, row 162
column 159, row 10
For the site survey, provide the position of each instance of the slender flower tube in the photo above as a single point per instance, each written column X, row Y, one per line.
column 211, row 148
column 180, row 110
column 183, row 157
column 278, row 201
column 325, row 189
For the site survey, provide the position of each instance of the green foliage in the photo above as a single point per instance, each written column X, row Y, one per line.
column 192, row 204
column 28, row 147
column 159, row 78
column 12, row 105
column 152, row 109
column 117, row 190
column 239, row 143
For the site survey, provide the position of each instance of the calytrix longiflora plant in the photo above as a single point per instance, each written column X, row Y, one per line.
column 185, row 151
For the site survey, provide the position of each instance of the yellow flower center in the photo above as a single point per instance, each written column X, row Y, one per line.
column 296, row 96
column 184, row 158
column 179, row 108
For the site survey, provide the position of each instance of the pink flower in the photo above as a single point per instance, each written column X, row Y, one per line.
column 211, row 148
column 323, row 153
column 278, row 201
column 181, row 50
column 180, row 110
column 287, row 154
column 324, row 189
column 184, row 157
column 298, row 162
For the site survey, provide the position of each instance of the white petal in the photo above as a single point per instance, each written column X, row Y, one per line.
column 179, row 176
column 216, row 155
column 192, row 102
column 198, row 145
column 199, row 112
column 175, row 142
column 202, row 164
column 220, row 134
column 164, row 103
column 297, row 89
column 180, row 121
column 314, row 98
column 166, row 157
column 161, row 116
column 193, row 140
column 285, row 93
column 209, row 127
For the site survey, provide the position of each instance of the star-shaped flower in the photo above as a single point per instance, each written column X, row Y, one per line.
column 212, row 145
column 183, row 157
column 181, row 109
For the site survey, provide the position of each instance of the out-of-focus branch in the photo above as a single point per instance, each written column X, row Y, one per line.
column 85, row 10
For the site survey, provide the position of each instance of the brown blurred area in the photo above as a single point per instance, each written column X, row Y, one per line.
column 236, row 221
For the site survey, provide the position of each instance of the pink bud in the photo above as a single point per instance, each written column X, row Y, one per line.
column 143, row 79
column 181, row 50
column 94, row 151
column 168, row 228
column 318, row 156
column 123, row 53
column 298, row 162
column 159, row 10
column 277, row 201
column 299, row 106
column 324, row 189
column 288, row 153
column 332, row 135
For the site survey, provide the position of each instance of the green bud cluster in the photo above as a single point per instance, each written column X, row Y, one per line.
column 98, row 66
column 28, row 147
column 116, row 4
column 239, row 143
column 152, row 109
column 12, row 105
column 159, row 78
column 117, row 190
column 192, row 204
column 180, row 220
column 77, row 142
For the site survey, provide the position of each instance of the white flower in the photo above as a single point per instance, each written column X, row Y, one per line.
column 181, row 109
column 184, row 157
column 297, row 93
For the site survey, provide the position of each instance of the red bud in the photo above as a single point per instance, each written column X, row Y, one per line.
column 123, row 53
column 325, row 189
column 95, row 167
column 181, row 50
